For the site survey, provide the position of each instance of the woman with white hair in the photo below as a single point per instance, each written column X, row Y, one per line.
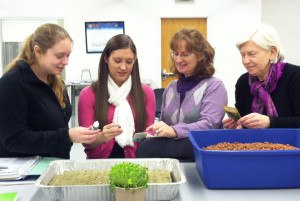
column 268, row 95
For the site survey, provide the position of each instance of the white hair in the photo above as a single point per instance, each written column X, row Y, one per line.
column 266, row 37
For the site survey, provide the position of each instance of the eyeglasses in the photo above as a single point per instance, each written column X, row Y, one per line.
column 183, row 55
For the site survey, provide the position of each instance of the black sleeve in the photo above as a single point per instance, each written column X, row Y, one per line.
column 243, row 98
column 288, row 100
column 15, row 135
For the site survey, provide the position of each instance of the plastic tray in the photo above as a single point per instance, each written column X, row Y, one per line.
column 165, row 191
column 247, row 169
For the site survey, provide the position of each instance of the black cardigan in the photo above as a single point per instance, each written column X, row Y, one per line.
column 286, row 98
column 32, row 121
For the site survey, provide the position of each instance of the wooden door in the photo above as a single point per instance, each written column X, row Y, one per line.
column 168, row 28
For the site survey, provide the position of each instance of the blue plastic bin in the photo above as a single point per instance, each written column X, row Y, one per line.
column 247, row 169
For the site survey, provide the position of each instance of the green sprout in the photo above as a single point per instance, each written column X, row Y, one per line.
column 128, row 175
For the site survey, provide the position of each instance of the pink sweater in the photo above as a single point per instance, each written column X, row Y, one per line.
column 86, row 107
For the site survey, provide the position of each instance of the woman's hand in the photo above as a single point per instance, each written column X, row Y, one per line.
column 254, row 120
column 229, row 123
column 83, row 135
column 110, row 131
column 161, row 129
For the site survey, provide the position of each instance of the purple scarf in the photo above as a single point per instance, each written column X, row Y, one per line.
column 185, row 84
column 261, row 90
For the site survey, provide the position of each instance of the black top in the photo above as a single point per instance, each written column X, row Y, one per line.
column 117, row 151
column 286, row 98
column 32, row 121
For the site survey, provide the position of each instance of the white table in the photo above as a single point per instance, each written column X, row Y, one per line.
column 192, row 190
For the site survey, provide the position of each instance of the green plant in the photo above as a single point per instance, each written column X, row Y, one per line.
column 128, row 175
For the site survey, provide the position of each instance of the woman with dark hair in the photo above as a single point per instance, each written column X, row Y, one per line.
column 193, row 102
column 35, row 108
column 118, row 101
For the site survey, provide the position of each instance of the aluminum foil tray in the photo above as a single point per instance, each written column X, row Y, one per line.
column 163, row 191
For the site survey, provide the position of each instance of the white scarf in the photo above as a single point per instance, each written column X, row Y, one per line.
column 123, row 113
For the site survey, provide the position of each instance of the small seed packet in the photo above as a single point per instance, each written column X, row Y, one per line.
column 139, row 136
column 232, row 113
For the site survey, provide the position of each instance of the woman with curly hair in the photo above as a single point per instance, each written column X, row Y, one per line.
column 193, row 102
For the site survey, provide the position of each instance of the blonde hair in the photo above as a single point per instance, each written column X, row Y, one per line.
column 45, row 36
column 266, row 37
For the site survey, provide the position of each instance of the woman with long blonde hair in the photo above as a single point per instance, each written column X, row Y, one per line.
column 35, row 108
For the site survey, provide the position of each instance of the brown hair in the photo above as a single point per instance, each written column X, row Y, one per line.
column 100, row 87
column 195, row 43
column 45, row 36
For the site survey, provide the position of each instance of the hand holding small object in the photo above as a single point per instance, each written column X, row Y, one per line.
column 83, row 135
column 111, row 130
column 161, row 129
column 254, row 120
